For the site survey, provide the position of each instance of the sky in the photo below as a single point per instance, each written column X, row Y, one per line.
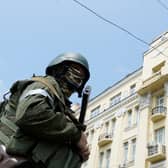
column 34, row 32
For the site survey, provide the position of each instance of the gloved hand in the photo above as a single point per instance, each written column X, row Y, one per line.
column 83, row 147
column 6, row 161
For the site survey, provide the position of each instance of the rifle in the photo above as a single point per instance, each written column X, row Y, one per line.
column 85, row 99
column 80, row 122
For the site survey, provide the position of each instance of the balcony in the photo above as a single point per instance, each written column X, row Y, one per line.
column 104, row 139
column 153, row 83
column 161, row 164
column 156, row 152
column 158, row 113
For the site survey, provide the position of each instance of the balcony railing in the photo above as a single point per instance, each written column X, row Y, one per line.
column 158, row 113
column 156, row 152
column 105, row 139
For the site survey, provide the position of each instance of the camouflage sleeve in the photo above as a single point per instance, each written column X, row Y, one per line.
column 37, row 117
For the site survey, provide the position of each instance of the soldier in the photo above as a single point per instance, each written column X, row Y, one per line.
column 47, row 134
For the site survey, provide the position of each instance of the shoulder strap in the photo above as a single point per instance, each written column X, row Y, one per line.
column 50, row 86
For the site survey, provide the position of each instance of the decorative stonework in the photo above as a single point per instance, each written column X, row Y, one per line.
column 120, row 112
column 98, row 124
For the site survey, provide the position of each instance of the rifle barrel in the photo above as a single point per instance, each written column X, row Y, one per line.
column 85, row 99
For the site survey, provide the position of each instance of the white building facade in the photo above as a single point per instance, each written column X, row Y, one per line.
column 127, row 124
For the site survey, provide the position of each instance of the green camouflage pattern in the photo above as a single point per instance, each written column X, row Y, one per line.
column 46, row 134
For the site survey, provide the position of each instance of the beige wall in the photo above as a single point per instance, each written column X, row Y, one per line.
column 135, row 124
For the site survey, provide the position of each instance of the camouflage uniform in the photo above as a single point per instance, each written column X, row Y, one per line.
column 36, row 126
column 45, row 133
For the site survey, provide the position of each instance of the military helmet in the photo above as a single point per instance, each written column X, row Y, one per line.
column 70, row 57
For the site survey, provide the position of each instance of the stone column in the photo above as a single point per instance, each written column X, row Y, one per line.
column 143, row 131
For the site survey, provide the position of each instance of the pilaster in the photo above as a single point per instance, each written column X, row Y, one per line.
column 142, row 133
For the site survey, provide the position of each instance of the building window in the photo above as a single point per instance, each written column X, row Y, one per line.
column 101, row 157
column 132, row 89
column 133, row 149
column 116, row 99
column 108, row 154
column 95, row 112
column 160, row 135
column 160, row 100
column 125, row 152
